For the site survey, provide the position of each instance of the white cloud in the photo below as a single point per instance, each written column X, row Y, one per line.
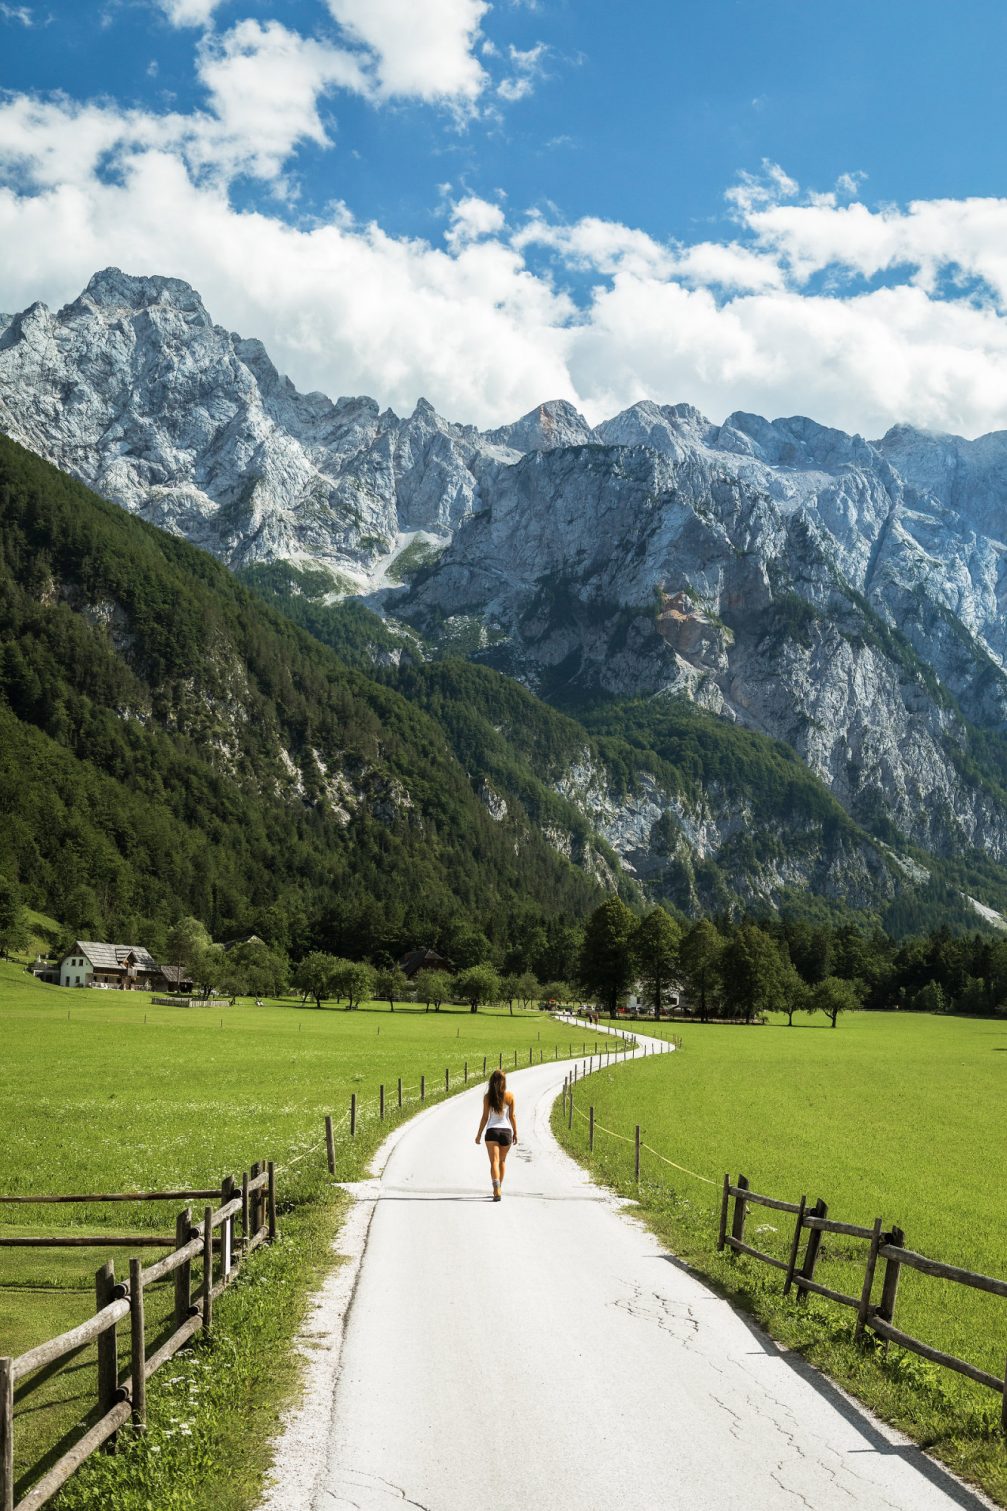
column 190, row 12
column 22, row 14
column 754, row 190
column 528, row 67
column 264, row 84
column 422, row 49
column 843, row 311
column 473, row 218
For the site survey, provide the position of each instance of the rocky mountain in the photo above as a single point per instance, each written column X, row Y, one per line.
column 134, row 390
column 842, row 595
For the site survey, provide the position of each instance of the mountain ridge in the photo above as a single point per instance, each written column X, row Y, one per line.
column 841, row 594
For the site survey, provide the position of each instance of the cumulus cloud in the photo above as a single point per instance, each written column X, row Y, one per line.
column 528, row 66
column 420, row 50
column 472, row 218
column 859, row 316
column 22, row 14
column 190, row 12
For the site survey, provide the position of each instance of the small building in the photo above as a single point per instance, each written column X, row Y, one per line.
column 45, row 970
column 230, row 944
column 174, row 978
column 415, row 961
column 123, row 967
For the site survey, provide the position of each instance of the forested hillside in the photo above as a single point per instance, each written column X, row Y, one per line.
column 169, row 743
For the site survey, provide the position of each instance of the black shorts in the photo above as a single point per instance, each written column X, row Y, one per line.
column 499, row 1136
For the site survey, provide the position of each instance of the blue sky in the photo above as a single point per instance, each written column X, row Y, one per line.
column 767, row 204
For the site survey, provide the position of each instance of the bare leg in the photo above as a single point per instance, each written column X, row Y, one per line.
column 504, row 1151
column 493, row 1150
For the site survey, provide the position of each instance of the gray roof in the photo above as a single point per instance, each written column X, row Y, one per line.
column 111, row 957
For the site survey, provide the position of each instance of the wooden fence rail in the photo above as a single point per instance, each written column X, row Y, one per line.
column 888, row 1246
column 121, row 1394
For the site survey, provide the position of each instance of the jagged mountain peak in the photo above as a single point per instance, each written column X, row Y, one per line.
column 548, row 426
column 112, row 289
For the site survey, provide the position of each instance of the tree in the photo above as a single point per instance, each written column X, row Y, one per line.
column 252, row 969
column 795, row 994
column 187, row 940
column 14, row 933
column 315, row 975
column 510, row 988
column 752, row 973
column 479, row 984
column 833, row 996
column 557, row 991
column 208, row 967
column 606, row 962
column 528, row 989
column 433, row 988
column 391, row 985
column 699, row 965
column 655, row 953
column 354, row 980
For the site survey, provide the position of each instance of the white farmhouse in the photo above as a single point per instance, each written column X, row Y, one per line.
column 125, row 966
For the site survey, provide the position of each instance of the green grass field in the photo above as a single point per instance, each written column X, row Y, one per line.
column 102, row 1091
column 897, row 1116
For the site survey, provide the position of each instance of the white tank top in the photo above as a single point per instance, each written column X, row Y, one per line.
column 499, row 1119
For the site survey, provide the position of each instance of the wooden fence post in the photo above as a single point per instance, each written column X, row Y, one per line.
column 255, row 1214
column 400, row 1091
column 183, row 1275
column 569, row 1108
column 500, row 1061
column 484, row 1064
column 227, row 1231
column 6, row 1435
column 740, row 1210
column 353, row 1114
column 807, row 1270
column 515, row 1059
column 890, row 1285
column 272, row 1200
column 1003, row 1408
column 108, row 1354
column 636, row 1153
column 864, row 1309
column 466, row 1072
column 381, row 1102
column 447, row 1080
column 795, row 1245
column 330, row 1144
column 722, row 1232
column 207, row 1288
column 423, row 1088
column 137, row 1348
column 590, row 1128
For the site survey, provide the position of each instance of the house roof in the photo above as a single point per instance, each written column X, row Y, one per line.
column 176, row 974
column 113, row 957
column 417, row 960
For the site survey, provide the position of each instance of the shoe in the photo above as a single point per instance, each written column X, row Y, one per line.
column 496, row 1195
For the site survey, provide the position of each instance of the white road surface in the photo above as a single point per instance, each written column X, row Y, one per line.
column 546, row 1354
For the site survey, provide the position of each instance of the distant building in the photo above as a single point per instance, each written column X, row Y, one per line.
column 415, row 961
column 45, row 970
column 229, row 944
column 127, row 967
column 175, row 978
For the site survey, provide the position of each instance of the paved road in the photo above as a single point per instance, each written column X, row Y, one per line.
column 546, row 1352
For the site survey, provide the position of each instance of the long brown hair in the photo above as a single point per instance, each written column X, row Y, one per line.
column 497, row 1087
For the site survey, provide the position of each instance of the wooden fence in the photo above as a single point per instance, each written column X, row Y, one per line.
column 122, row 1394
column 810, row 1223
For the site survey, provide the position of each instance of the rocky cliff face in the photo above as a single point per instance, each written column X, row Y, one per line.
column 843, row 595
column 135, row 391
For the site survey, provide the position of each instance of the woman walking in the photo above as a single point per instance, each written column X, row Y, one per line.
column 500, row 1122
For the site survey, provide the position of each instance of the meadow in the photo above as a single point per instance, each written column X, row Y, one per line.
column 106, row 1092
column 891, row 1115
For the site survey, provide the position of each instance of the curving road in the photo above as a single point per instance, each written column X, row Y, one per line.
column 547, row 1353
